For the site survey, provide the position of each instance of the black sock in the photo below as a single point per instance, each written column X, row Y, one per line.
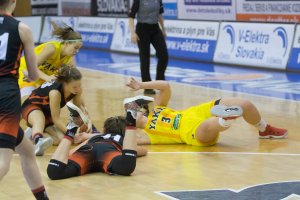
column 70, row 134
column 36, row 137
column 40, row 193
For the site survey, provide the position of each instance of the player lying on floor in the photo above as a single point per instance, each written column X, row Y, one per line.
column 199, row 125
column 113, row 152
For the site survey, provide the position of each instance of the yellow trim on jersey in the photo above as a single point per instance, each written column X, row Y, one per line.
column 49, row 67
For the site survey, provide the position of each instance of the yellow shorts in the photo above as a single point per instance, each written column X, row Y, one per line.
column 22, row 83
column 191, row 120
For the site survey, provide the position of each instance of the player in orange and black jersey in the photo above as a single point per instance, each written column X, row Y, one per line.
column 14, row 38
column 113, row 152
column 43, row 106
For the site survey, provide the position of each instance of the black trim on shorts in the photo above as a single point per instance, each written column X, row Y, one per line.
column 7, row 141
column 217, row 102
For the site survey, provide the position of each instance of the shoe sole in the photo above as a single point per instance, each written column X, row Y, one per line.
column 44, row 146
column 140, row 97
column 226, row 111
column 274, row 136
column 73, row 108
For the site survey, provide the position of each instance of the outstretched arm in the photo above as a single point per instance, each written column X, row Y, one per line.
column 162, row 97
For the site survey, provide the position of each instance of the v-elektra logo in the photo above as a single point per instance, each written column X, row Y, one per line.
column 231, row 33
column 123, row 29
column 251, row 44
column 282, row 34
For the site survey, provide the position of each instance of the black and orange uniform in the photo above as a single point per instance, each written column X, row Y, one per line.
column 102, row 153
column 10, row 103
column 39, row 100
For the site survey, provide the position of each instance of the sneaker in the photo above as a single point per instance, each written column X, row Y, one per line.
column 76, row 112
column 137, row 102
column 149, row 91
column 134, row 104
column 28, row 133
column 42, row 145
column 226, row 112
column 272, row 132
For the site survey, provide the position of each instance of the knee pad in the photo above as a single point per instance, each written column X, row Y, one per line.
column 55, row 169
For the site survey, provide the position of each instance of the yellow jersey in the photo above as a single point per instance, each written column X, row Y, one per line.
column 168, row 126
column 49, row 67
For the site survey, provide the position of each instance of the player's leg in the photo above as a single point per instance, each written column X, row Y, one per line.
column 36, row 119
column 55, row 134
column 253, row 117
column 5, row 159
column 29, row 166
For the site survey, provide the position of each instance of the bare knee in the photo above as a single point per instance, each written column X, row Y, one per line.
column 4, row 168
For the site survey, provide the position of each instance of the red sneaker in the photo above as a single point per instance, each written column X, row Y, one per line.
column 272, row 132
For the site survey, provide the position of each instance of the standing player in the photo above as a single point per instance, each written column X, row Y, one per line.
column 14, row 36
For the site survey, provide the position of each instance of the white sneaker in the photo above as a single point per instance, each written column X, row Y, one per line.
column 76, row 112
column 42, row 145
column 230, row 112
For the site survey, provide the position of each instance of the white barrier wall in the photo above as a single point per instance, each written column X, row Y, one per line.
column 207, row 9
column 122, row 38
column 96, row 32
column 294, row 61
column 35, row 24
column 191, row 39
column 255, row 44
column 267, row 45
column 46, row 34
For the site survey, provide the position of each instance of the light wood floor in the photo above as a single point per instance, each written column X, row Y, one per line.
column 239, row 160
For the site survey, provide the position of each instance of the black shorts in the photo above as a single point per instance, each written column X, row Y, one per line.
column 10, row 112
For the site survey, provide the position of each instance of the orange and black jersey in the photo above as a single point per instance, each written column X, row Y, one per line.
column 10, row 46
column 40, row 96
column 97, row 154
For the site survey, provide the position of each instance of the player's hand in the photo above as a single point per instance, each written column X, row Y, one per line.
column 134, row 85
column 80, row 137
column 90, row 127
column 26, row 76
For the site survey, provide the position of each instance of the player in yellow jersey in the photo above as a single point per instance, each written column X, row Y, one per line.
column 199, row 125
column 51, row 56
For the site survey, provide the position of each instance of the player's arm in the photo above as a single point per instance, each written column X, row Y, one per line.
column 47, row 52
column 30, row 57
column 162, row 97
column 54, row 101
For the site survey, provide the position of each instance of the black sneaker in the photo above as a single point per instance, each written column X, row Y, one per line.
column 149, row 91
column 133, row 105
column 76, row 112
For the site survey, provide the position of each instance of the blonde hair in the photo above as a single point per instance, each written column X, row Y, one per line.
column 65, row 33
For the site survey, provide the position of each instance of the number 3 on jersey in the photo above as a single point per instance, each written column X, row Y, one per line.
column 3, row 45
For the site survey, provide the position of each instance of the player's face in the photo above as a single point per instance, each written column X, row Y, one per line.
column 74, row 87
column 73, row 48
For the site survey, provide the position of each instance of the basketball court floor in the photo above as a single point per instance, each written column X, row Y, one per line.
column 240, row 166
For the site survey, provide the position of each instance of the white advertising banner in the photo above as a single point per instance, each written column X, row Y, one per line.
column 122, row 38
column 35, row 24
column 96, row 32
column 47, row 28
column 191, row 39
column 255, row 44
column 294, row 60
column 207, row 9
column 268, row 11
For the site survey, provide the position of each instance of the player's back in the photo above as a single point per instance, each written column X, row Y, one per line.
column 10, row 46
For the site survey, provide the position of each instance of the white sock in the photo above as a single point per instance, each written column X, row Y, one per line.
column 261, row 125
column 225, row 123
